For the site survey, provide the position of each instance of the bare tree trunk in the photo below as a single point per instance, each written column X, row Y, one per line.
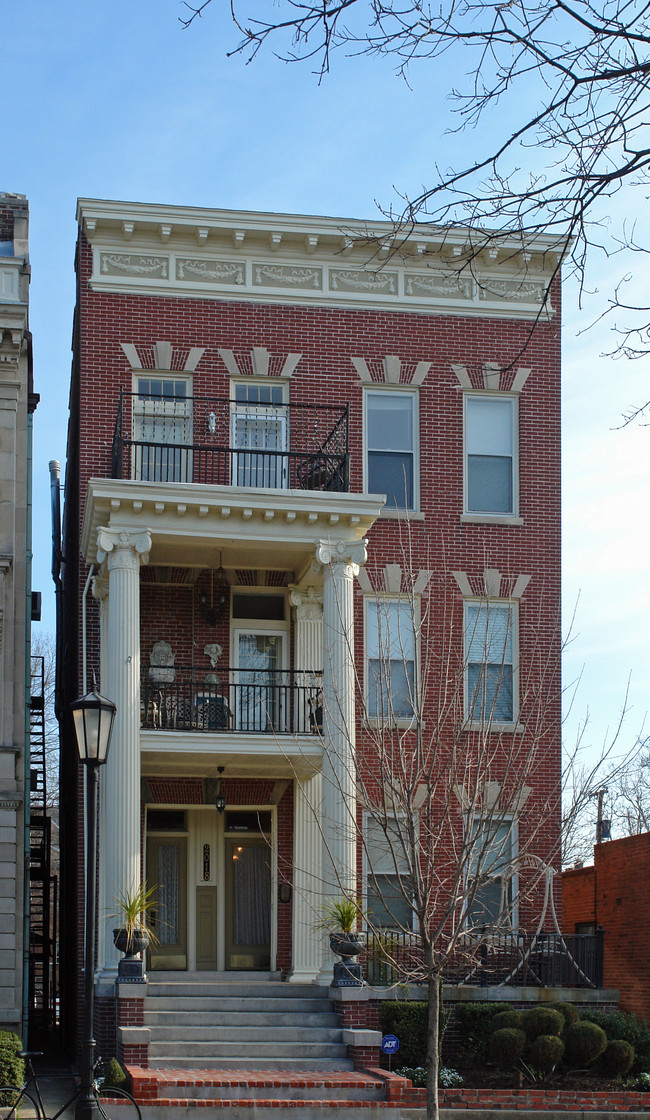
column 433, row 1044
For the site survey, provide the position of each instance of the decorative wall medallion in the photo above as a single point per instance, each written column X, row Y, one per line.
column 210, row 271
column 511, row 291
column 286, row 276
column 347, row 280
column 134, row 264
column 445, row 287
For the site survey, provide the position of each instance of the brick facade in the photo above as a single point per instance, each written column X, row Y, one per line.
column 118, row 333
column 614, row 894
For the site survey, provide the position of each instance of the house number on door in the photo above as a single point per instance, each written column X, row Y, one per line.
column 206, row 863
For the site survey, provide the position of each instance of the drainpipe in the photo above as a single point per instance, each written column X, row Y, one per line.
column 84, row 597
column 57, row 561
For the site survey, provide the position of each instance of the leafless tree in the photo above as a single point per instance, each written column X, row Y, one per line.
column 571, row 76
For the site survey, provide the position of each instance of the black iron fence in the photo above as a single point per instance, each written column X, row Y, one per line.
column 515, row 959
column 230, row 443
column 244, row 700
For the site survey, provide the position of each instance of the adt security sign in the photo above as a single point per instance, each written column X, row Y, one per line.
column 390, row 1044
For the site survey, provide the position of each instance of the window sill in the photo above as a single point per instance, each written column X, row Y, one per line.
column 375, row 724
column 490, row 519
column 401, row 515
column 494, row 728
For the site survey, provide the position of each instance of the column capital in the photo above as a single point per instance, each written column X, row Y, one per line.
column 350, row 553
column 123, row 549
column 307, row 603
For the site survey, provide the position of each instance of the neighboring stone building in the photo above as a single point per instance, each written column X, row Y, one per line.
column 17, row 403
column 614, row 894
column 287, row 435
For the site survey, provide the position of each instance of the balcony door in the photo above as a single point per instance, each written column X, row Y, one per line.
column 260, row 687
column 259, row 436
column 162, row 429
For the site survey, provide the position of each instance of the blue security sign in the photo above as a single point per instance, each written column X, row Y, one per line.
column 390, row 1044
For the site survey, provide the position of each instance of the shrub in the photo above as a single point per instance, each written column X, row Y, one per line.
column 545, row 1052
column 509, row 1018
column 506, row 1046
column 542, row 1020
column 617, row 1057
column 408, row 1020
column 475, row 1022
column 12, row 1068
column 114, row 1076
column 617, row 1024
column 570, row 1013
column 584, row 1042
column 447, row 1078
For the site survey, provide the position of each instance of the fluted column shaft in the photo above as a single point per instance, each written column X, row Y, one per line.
column 340, row 566
column 120, row 780
column 100, row 592
column 307, row 945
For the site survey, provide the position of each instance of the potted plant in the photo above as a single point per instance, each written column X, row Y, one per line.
column 135, row 911
column 339, row 918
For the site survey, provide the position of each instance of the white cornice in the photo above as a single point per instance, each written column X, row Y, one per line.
column 200, row 515
column 293, row 258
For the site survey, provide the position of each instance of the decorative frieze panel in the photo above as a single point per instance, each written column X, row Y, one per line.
column 210, row 271
column 287, row 276
column 134, row 264
column 510, row 291
column 358, row 280
column 438, row 285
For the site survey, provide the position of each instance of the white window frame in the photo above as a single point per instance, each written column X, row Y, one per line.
column 412, row 394
column 250, row 410
column 512, row 401
column 498, row 820
column 411, row 607
column 171, row 411
column 367, row 870
column 473, row 716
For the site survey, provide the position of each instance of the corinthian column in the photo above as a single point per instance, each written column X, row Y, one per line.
column 340, row 562
column 119, row 843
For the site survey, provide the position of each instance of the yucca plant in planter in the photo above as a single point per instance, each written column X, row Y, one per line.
column 339, row 918
column 135, row 911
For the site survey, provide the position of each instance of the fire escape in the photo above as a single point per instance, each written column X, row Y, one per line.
column 42, row 883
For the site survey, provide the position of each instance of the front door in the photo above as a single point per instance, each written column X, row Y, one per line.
column 167, row 869
column 248, row 903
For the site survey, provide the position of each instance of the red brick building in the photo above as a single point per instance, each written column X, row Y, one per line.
column 311, row 467
column 614, row 894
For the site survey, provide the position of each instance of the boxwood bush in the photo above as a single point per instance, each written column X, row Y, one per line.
column 617, row 1058
column 12, row 1068
column 618, row 1024
column 408, row 1020
column 507, row 1046
column 475, row 1021
column 584, row 1042
column 545, row 1052
column 542, row 1020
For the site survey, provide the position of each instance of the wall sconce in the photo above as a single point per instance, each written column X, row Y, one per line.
column 220, row 802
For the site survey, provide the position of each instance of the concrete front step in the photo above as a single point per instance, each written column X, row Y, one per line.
column 272, row 989
column 265, row 1084
column 200, row 1002
column 270, row 1049
column 261, row 1018
column 285, row 1065
column 300, row 1110
column 233, row 1032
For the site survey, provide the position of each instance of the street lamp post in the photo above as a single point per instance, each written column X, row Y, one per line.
column 93, row 717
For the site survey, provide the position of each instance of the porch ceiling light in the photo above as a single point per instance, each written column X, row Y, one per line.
column 220, row 802
column 93, row 717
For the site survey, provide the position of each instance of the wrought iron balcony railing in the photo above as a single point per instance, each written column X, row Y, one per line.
column 514, row 959
column 230, row 442
column 250, row 701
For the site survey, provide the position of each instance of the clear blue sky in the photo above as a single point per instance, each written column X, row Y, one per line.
column 117, row 101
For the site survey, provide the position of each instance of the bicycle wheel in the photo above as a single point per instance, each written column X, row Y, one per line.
column 14, row 1103
column 116, row 1104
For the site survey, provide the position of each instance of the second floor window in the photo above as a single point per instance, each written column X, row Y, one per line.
column 490, row 454
column 390, row 659
column 489, row 665
column 391, row 447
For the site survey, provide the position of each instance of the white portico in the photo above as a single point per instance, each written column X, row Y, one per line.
column 319, row 540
